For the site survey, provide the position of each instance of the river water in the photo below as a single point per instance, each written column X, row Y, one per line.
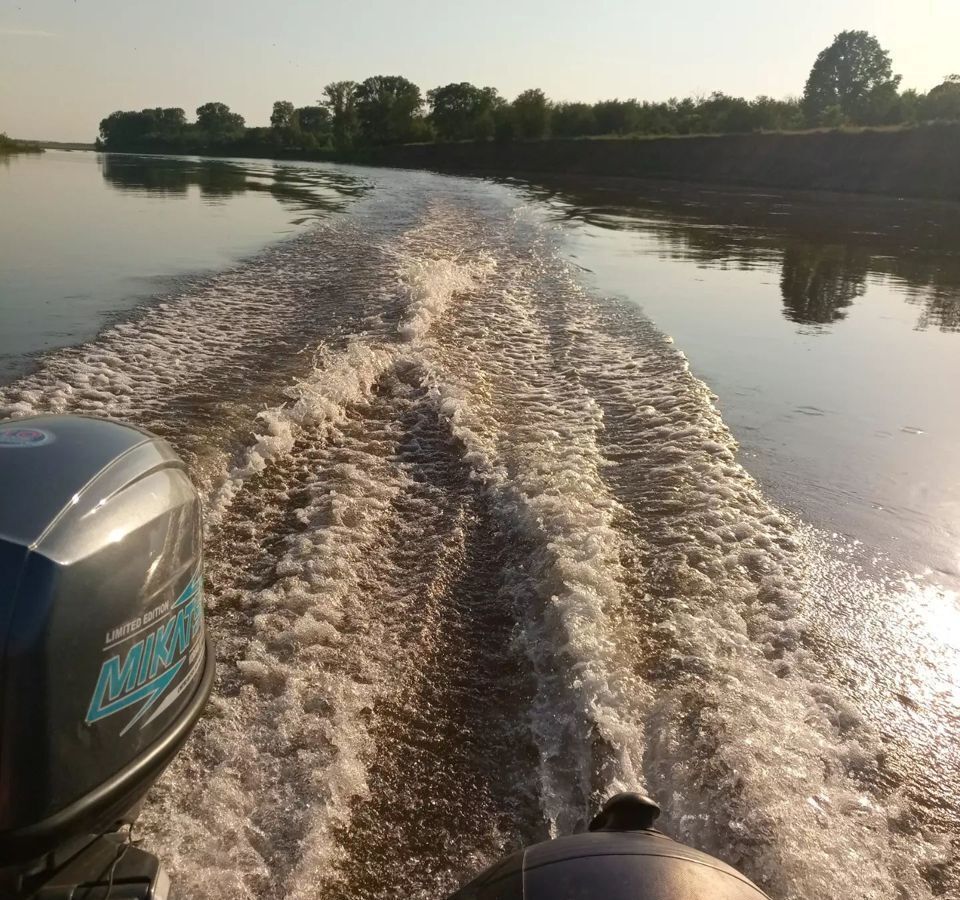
column 518, row 496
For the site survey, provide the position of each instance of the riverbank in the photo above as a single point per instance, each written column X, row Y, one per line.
column 8, row 145
column 65, row 145
column 919, row 162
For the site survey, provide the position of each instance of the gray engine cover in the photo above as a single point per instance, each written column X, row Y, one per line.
column 102, row 645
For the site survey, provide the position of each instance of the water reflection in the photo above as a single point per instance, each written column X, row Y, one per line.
column 940, row 309
column 85, row 237
column 172, row 177
column 819, row 282
column 827, row 248
column 219, row 180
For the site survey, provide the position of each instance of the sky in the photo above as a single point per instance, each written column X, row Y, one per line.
column 65, row 64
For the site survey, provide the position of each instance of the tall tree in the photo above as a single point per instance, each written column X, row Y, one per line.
column 282, row 116
column 387, row 109
column 340, row 99
column 217, row 121
column 462, row 111
column 531, row 115
column 314, row 120
column 491, row 103
column 854, row 76
column 132, row 129
column 943, row 101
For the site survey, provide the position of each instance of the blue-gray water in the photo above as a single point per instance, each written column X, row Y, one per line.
column 482, row 547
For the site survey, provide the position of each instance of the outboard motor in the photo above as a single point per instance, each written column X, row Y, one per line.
column 621, row 857
column 104, row 662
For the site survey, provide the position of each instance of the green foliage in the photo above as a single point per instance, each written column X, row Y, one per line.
column 504, row 124
column 716, row 114
column 911, row 102
column 617, row 116
column 387, row 108
column 218, row 122
column 854, row 74
column 832, row 117
column 485, row 125
column 573, row 120
column 851, row 83
column 727, row 114
column 159, row 126
column 943, row 101
column 777, row 115
column 531, row 115
column 883, row 105
column 315, row 121
column 340, row 100
column 452, row 110
column 307, row 128
column 422, row 131
column 282, row 115
column 460, row 112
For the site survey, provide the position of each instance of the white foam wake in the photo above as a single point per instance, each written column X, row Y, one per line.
column 319, row 655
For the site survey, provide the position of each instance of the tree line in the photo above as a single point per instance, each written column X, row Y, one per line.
column 8, row 145
column 851, row 83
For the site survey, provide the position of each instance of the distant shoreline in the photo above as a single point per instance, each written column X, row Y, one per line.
column 920, row 163
column 9, row 146
column 65, row 145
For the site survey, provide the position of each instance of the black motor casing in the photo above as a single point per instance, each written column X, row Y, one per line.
column 622, row 857
column 104, row 663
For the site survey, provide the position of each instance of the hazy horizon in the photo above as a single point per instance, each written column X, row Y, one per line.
column 71, row 63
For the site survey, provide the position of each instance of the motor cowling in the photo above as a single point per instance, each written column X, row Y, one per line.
column 621, row 857
column 104, row 662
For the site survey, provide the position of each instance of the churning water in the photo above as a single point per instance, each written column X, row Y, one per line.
column 481, row 553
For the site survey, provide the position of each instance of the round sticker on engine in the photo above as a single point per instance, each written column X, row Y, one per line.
column 15, row 436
